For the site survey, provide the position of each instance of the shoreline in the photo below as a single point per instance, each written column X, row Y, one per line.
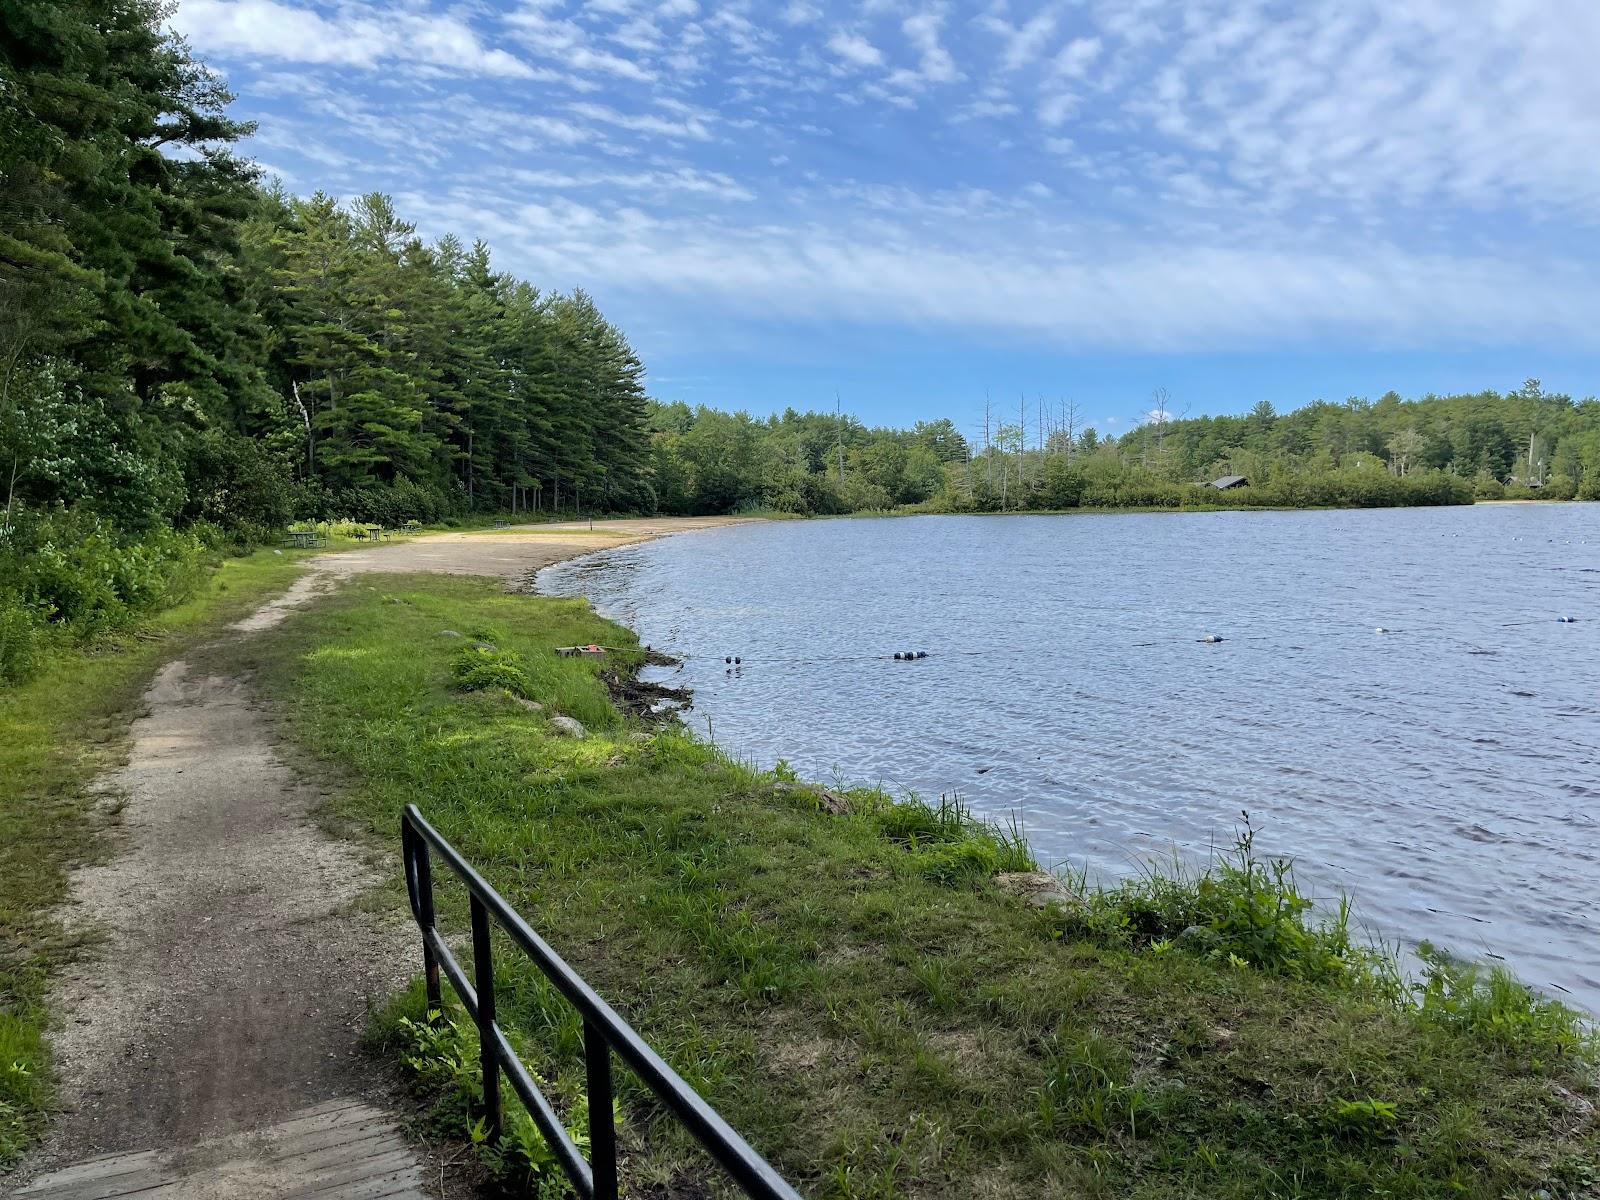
column 839, row 972
column 515, row 553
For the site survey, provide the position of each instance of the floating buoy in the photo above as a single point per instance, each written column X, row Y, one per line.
column 922, row 654
column 898, row 656
column 1381, row 629
column 737, row 661
column 727, row 658
column 1567, row 620
column 1211, row 639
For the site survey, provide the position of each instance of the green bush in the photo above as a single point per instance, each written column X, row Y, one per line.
column 22, row 638
column 74, row 571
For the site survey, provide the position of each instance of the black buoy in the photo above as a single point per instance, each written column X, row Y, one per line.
column 898, row 656
column 727, row 658
column 922, row 654
column 1567, row 620
column 1211, row 639
column 737, row 661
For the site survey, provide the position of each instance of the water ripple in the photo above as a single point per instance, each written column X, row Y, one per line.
column 1394, row 700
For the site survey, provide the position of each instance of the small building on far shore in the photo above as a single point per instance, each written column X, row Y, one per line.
column 1230, row 481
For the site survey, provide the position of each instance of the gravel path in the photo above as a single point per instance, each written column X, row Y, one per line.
column 234, row 973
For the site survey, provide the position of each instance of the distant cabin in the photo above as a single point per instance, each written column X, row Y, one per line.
column 1230, row 481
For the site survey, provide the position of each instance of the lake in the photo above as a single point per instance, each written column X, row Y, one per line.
column 1445, row 772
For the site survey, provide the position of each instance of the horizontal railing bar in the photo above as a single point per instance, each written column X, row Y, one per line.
column 735, row 1155
column 544, row 1116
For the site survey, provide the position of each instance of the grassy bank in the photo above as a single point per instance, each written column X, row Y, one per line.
column 57, row 732
column 857, row 993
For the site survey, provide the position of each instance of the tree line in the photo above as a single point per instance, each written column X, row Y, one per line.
column 189, row 357
column 1526, row 443
column 180, row 344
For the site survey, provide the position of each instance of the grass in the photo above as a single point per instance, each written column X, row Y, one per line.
column 856, row 993
column 57, row 732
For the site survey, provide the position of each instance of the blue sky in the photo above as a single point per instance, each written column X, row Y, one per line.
column 913, row 203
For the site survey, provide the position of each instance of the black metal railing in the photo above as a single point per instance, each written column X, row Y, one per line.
column 603, row 1032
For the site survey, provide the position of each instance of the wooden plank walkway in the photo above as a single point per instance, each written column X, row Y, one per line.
column 342, row 1150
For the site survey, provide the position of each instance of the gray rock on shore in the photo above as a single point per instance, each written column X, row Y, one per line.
column 1037, row 889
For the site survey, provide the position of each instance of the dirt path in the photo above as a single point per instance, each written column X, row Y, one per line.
column 235, row 974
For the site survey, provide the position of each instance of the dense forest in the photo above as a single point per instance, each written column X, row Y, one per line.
column 190, row 358
column 1528, row 444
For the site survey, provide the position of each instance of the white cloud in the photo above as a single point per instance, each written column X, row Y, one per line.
column 691, row 127
column 357, row 35
column 922, row 31
column 1158, row 298
column 682, row 179
column 1236, row 172
column 1076, row 57
column 568, row 43
column 1482, row 103
column 1021, row 43
column 855, row 49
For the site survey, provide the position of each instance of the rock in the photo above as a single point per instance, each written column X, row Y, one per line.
column 835, row 804
column 567, row 726
column 483, row 646
column 615, row 761
column 1037, row 889
column 448, row 633
column 530, row 705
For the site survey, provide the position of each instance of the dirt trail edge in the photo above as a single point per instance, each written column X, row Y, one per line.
column 234, row 974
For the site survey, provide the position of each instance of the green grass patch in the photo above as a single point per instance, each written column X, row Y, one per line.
column 858, row 996
column 57, row 732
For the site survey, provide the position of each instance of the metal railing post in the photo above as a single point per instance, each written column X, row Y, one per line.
column 430, row 961
column 483, row 981
column 602, row 1115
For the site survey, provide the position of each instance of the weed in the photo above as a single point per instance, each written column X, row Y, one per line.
column 1498, row 1010
column 1366, row 1118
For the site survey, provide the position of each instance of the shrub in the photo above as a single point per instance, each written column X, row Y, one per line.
column 73, row 570
column 22, row 638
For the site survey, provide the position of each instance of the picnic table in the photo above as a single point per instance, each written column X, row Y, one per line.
column 303, row 539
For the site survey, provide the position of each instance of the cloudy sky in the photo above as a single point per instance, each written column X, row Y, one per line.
column 912, row 203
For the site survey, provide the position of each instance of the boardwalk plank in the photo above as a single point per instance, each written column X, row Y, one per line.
column 342, row 1150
